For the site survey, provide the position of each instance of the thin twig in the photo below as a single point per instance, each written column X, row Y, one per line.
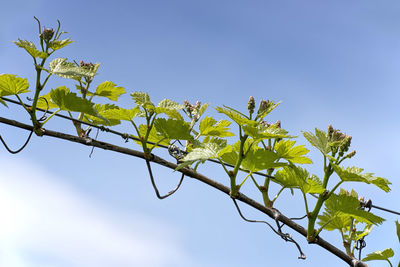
column 155, row 186
column 287, row 237
column 18, row 150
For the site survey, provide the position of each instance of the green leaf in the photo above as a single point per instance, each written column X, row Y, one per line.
column 110, row 90
column 69, row 70
column 318, row 140
column 104, row 111
column 258, row 159
column 236, row 116
column 121, row 113
column 12, row 85
column 350, row 206
column 267, row 111
column 203, row 109
column 210, row 127
column 30, row 48
column 353, row 174
column 260, row 132
column 170, row 108
column 66, row 100
column 173, row 129
column 380, row 255
column 208, row 150
column 398, row 229
column 143, row 100
column 45, row 102
column 285, row 150
column 58, row 44
column 153, row 136
column 296, row 177
column 331, row 220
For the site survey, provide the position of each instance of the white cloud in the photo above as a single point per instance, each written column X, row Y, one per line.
column 44, row 222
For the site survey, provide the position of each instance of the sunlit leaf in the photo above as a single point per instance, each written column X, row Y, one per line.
column 398, row 229
column 258, row 159
column 103, row 111
column 3, row 102
column 318, row 140
column 12, row 85
column 210, row 127
column 353, row 174
column 209, row 150
column 285, row 150
column 58, row 44
column 110, row 90
column 349, row 205
column 143, row 99
column 169, row 108
column 296, row 177
column 121, row 113
column 69, row 101
column 173, row 129
column 69, row 70
column 270, row 108
column 45, row 102
column 332, row 220
column 30, row 48
column 260, row 132
column 360, row 234
column 235, row 116
column 379, row 255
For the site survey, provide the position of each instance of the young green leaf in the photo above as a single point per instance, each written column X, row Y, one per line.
column 360, row 234
column 104, row 111
column 110, row 90
column 153, row 137
column 398, row 229
column 260, row 132
column 12, row 85
column 173, row 129
column 58, row 44
column 380, row 255
column 121, row 113
column 296, row 177
column 235, row 116
column 332, row 220
column 170, row 108
column 66, row 100
column 353, row 174
column 210, row 127
column 318, row 140
column 142, row 99
column 208, row 150
column 69, row 70
column 285, row 150
column 349, row 205
column 44, row 102
column 30, row 48
column 265, row 112
column 258, row 159
column 3, row 102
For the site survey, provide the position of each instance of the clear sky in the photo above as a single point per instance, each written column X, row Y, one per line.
column 329, row 62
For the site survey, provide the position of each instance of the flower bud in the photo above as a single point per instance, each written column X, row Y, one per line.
column 251, row 105
column 47, row 34
column 278, row 124
column 330, row 131
column 351, row 154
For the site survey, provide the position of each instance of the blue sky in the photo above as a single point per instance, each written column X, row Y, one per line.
column 331, row 62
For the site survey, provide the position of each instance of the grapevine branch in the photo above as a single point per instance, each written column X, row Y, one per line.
column 273, row 213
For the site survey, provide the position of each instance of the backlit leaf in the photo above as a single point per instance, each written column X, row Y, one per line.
column 258, row 159
column 380, row 255
column 69, row 101
column 235, row 116
column 210, row 127
column 296, row 177
column 353, row 174
column 110, row 90
column 142, row 99
column 318, row 140
column 209, row 150
column 45, row 102
column 58, row 44
column 103, row 111
column 169, row 108
column 285, row 150
column 30, row 48
column 121, row 113
column 260, row 131
column 398, row 229
column 12, row 85
column 271, row 107
column 173, row 129
column 69, row 70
